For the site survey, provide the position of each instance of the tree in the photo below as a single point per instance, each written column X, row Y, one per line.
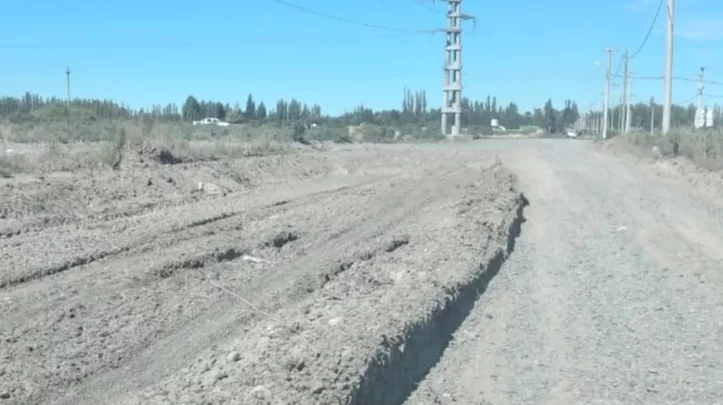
column 250, row 107
column 569, row 114
column 549, row 114
column 191, row 109
column 261, row 111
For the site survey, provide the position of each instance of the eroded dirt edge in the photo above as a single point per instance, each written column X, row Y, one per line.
column 397, row 369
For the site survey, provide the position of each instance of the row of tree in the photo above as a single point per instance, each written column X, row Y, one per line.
column 414, row 111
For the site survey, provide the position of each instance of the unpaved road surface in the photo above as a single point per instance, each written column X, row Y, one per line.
column 613, row 295
column 354, row 276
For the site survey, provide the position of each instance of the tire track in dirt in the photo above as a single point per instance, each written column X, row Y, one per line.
column 130, row 328
column 161, row 237
column 276, row 288
column 373, row 307
column 274, row 240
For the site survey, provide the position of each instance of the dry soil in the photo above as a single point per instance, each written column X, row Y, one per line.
column 362, row 275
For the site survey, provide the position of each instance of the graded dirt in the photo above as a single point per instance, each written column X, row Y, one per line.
column 308, row 278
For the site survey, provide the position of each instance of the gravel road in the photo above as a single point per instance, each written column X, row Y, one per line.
column 361, row 275
column 612, row 295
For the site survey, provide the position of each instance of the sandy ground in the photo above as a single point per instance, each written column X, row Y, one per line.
column 363, row 275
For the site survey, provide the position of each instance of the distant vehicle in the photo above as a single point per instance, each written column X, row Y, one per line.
column 211, row 121
column 571, row 133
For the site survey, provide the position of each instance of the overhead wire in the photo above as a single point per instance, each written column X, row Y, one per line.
column 620, row 65
column 650, row 30
column 229, row 43
column 645, row 40
column 678, row 78
column 424, row 5
column 338, row 18
column 399, row 32
column 687, row 101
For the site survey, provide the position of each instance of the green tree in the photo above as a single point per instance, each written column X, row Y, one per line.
column 250, row 107
column 191, row 109
column 549, row 114
column 261, row 111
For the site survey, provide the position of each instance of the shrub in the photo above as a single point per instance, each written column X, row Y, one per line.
column 703, row 147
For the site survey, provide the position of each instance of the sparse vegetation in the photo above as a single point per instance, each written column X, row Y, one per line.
column 703, row 147
column 91, row 134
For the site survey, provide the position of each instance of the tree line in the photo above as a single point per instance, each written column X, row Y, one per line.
column 413, row 111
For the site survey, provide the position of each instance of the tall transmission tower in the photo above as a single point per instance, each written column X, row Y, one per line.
column 668, row 93
column 606, row 102
column 452, row 88
column 67, row 83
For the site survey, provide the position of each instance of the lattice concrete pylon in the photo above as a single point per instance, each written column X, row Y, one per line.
column 452, row 88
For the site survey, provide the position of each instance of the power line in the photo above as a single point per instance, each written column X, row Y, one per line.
column 650, row 30
column 337, row 18
column 620, row 64
column 188, row 44
column 688, row 101
column 424, row 5
column 682, row 79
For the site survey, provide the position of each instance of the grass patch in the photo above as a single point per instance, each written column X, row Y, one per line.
column 111, row 154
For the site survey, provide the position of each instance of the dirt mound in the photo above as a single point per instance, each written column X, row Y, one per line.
column 160, row 155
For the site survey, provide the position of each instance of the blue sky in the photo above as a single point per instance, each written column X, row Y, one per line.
column 159, row 51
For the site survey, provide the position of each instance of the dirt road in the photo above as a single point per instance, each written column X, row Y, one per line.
column 612, row 295
column 343, row 278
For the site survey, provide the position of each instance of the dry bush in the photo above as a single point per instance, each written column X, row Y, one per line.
column 703, row 147
column 89, row 144
column 11, row 164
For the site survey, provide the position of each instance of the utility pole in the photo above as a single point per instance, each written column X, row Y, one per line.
column 452, row 88
column 628, row 91
column 67, row 83
column 668, row 94
column 652, row 116
column 700, row 89
column 606, row 103
column 626, row 94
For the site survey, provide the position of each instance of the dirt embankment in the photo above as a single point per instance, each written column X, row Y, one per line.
column 707, row 184
column 321, row 278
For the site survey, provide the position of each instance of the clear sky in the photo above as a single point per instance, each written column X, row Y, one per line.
column 159, row 51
